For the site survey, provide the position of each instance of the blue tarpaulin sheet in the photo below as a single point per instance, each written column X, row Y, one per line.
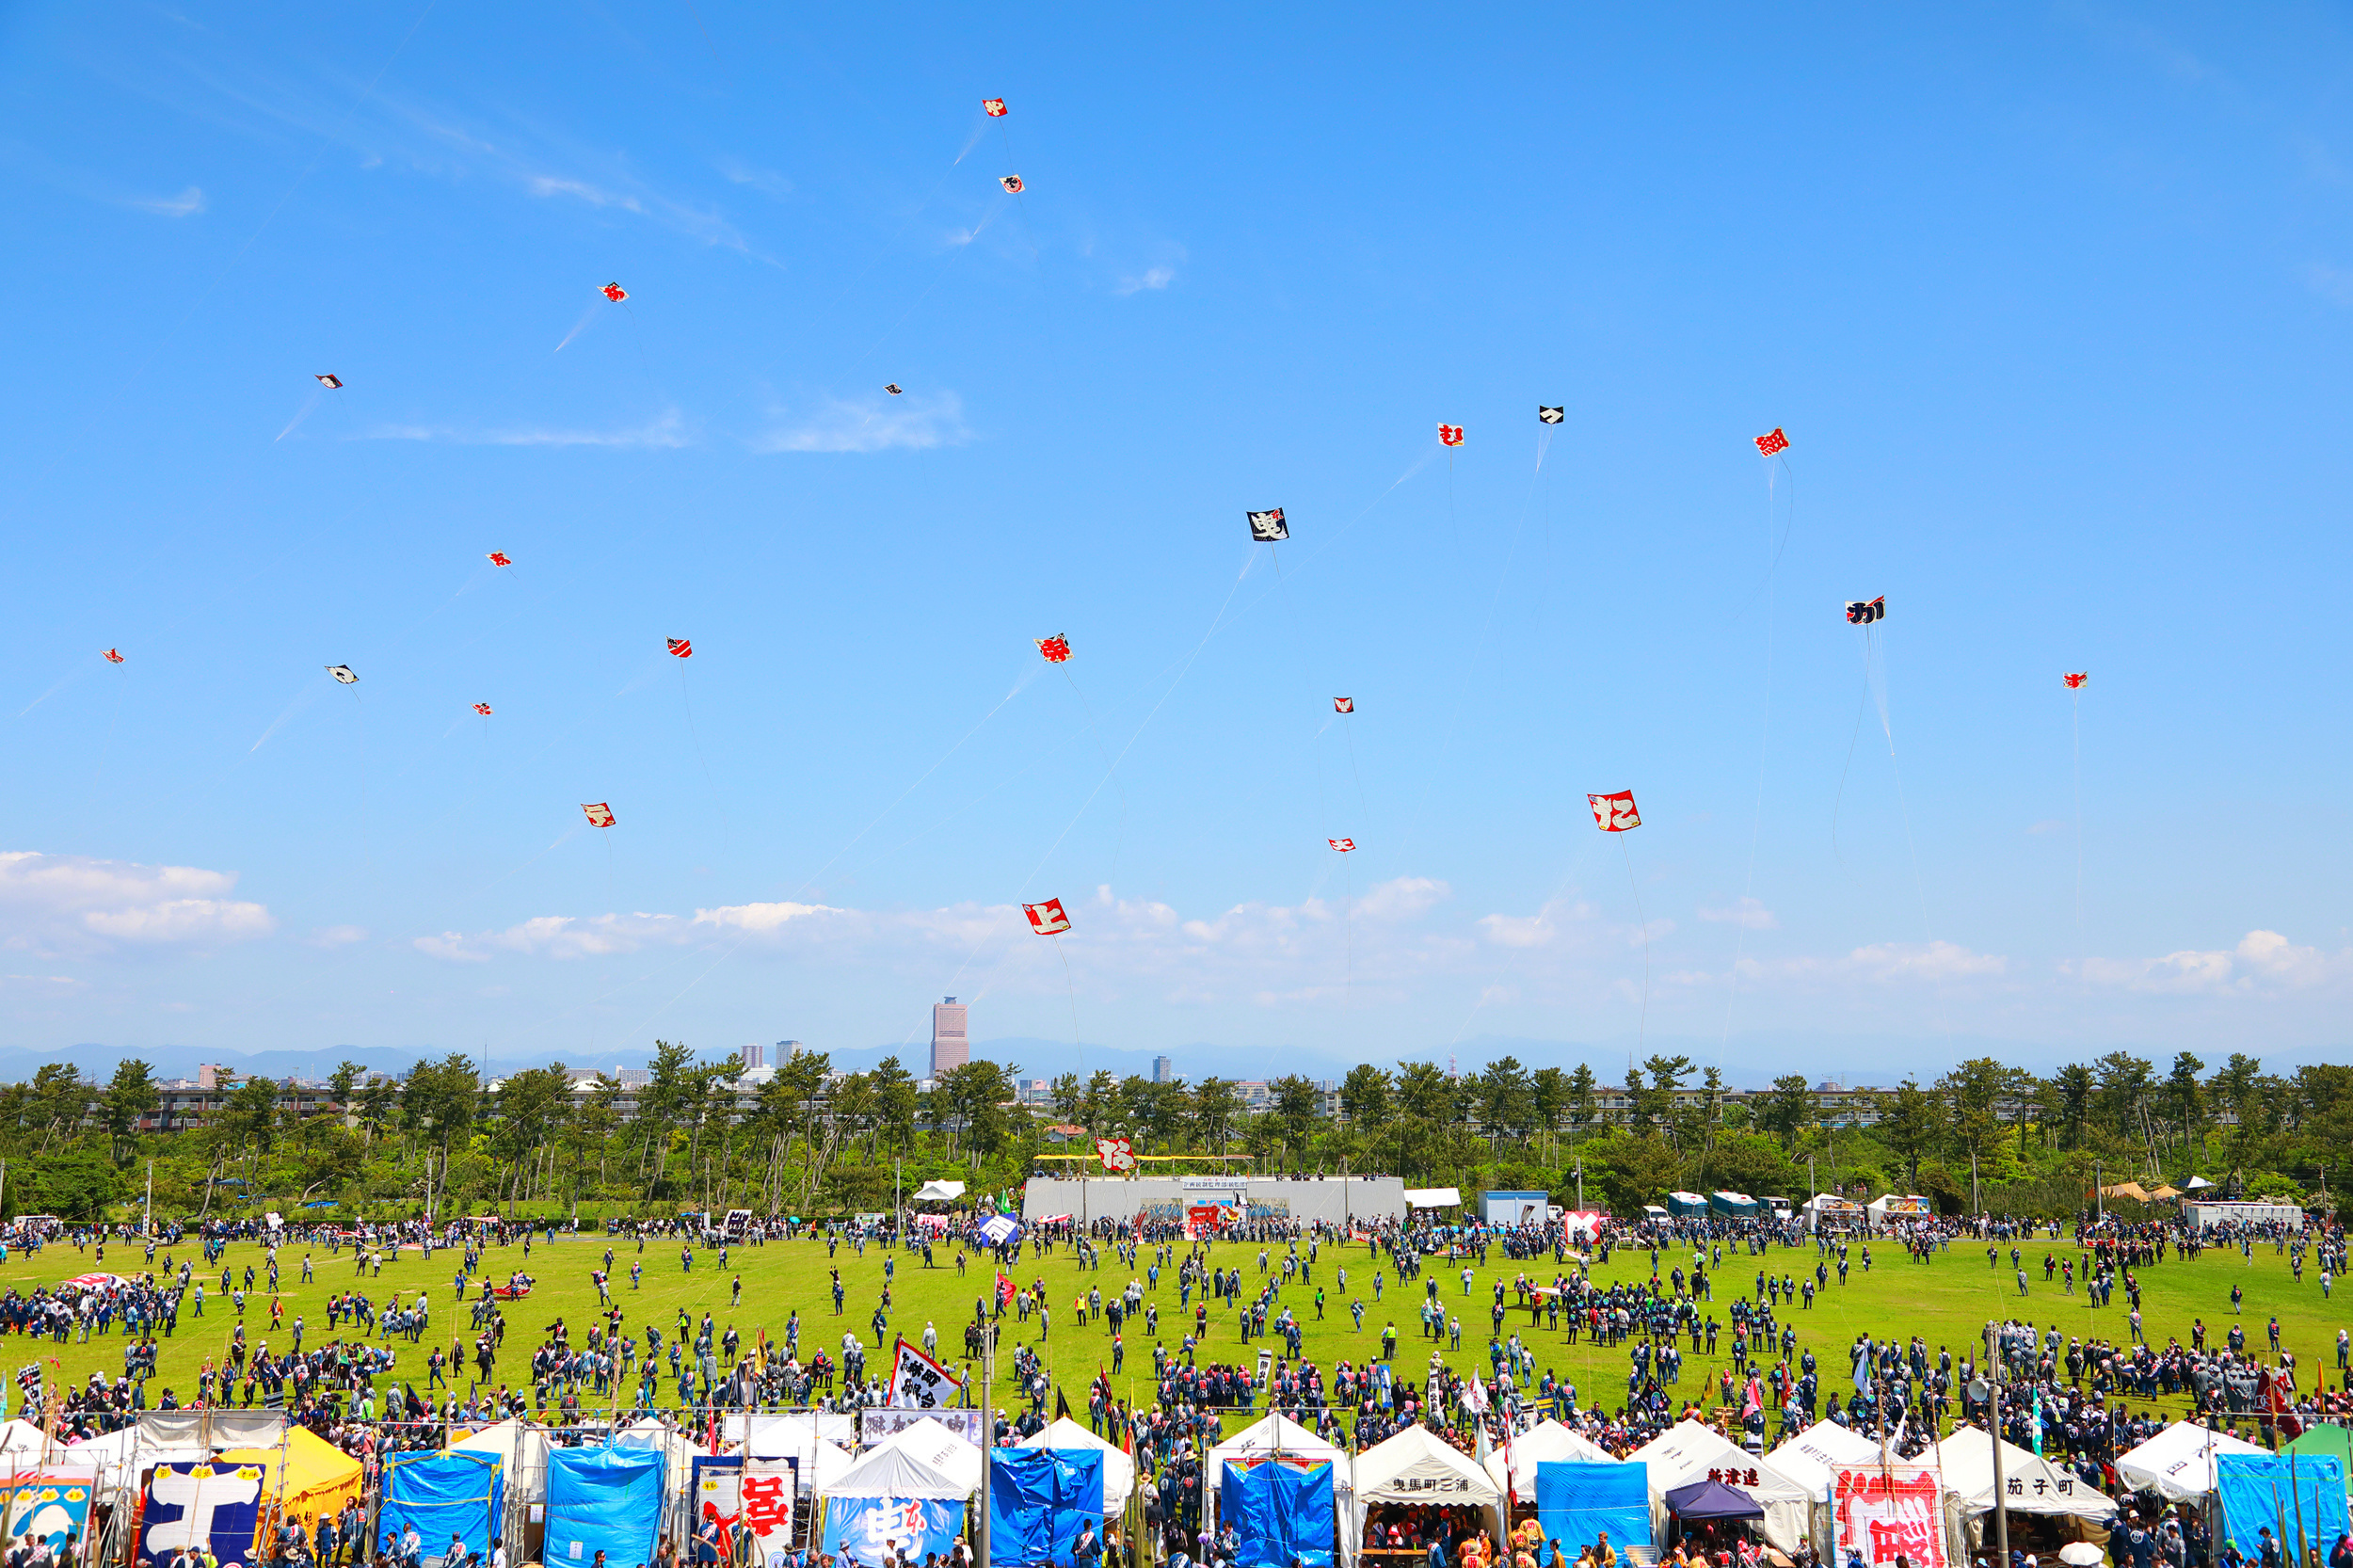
column 1576, row 1502
column 2270, row 1492
column 459, row 1493
column 1037, row 1497
column 1281, row 1508
column 604, row 1501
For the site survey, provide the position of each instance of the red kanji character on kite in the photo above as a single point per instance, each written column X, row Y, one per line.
column 996, row 108
column 1450, row 434
column 113, row 658
column 600, row 814
column 1772, row 441
column 1615, row 814
column 1343, row 845
column 1046, row 918
column 1056, row 648
column 2077, row 680
column 615, row 293
column 500, row 558
column 482, row 708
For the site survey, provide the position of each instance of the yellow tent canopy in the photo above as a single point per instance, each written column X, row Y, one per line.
column 319, row 1477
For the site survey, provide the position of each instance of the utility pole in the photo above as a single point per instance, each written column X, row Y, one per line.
column 146, row 1224
column 988, row 1430
column 1994, row 1431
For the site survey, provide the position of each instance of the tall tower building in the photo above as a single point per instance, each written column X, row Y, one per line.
column 951, row 1048
column 1163, row 1070
column 755, row 1056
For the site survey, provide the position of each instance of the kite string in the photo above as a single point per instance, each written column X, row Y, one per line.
column 1075, row 1046
column 1643, row 1030
column 1919, row 888
column 2082, row 946
column 1109, row 770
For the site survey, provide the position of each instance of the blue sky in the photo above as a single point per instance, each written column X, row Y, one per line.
column 2053, row 302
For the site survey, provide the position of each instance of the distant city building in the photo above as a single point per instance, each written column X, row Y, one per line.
column 1163, row 1069
column 633, row 1077
column 1033, row 1091
column 786, row 1050
column 755, row 1056
column 951, row 1045
column 1257, row 1096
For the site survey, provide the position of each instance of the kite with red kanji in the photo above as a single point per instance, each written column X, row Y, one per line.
column 1615, row 814
column 1046, row 918
column 1056, row 648
column 1772, row 441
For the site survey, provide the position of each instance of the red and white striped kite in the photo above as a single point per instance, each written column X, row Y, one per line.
column 996, row 108
column 600, row 814
column 1056, row 648
column 1343, row 705
column 615, row 293
column 1450, row 434
column 1343, row 845
column 500, row 558
column 482, row 708
column 113, row 658
column 331, row 382
column 2074, row 680
column 1772, row 441
column 681, row 648
column 1615, row 814
column 1046, row 918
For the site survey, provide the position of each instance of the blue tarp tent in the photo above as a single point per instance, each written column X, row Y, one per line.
column 2282, row 1493
column 461, row 1493
column 604, row 1501
column 1037, row 1498
column 1576, row 1502
column 1281, row 1507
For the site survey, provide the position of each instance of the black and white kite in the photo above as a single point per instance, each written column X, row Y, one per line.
column 1550, row 416
column 1863, row 612
column 1268, row 526
column 343, row 673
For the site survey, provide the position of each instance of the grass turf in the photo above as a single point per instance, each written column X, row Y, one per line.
column 1947, row 1300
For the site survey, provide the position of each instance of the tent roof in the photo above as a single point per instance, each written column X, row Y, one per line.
column 1119, row 1470
column 1433, row 1197
column 939, row 1192
column 1687, row 1451
column 1814, row 1456
column 1279, row 1432
column 22, row 1442
column 1713, row 1500
column 2031, row 1484
column 316, row 1469
column 2177, row 1462
column 1546, row 1441
column 791, row 1434
column 889, row 1471
column 2327, row 1440
column 940, row 1449
column 1415, row 1455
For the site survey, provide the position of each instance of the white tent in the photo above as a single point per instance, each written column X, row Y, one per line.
column 22, row 1445
column 787, row 1434
column 1813, row 1458
column 2177, row 1462
column 1433, row 1197
column 1547, row 1440
column 939, row 1192
column 2030, row 1483
column 939, row 1450
column 1279, row 1433
column 1686, row 1451
column 1119, row 1470
column 889, row 1472
column 1415, row 1467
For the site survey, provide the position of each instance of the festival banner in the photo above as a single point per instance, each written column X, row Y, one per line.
column 919, row 1383
column 1891, row 1510
column 198, row 1505
column 46, row 1507
column 768, row 1489
column 867, row 1529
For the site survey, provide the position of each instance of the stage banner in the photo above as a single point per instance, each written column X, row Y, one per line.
column 1891, row 1510
column 202, row 1505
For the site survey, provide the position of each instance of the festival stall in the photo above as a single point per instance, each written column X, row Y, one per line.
column 303, row 1476
column 1578, row 1502
column 1686, row 1451
column 608, row 1500
column 1038, row 1501
column 460, row 1492
column 1278, row 1433
column 1713, row 1513
column 944, row 1451
column 891, row 1502
column 2046, row 1507
column 1813, row 1458
column 1415, row 1471
column 2298, row 1498
column 1280, row 1507
column 1119, row 1470
column 2177, row 1462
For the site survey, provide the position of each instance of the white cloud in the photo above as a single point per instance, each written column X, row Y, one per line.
column 186, row 204
column 1541, row 929
column 665, row 432
column 2262, row 960
column 561, row 936
column 870, row 424
column 1152, row 277
column 64, row 901
column 1882, row 962
column 761, row 917
column 1402, row 897
column 1749, row 914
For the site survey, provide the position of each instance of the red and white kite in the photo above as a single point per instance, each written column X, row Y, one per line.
column 1046, row 918
column 331, row 382
column 1056, row 648
column 1117, row 1154
column 2074, row 680
column 996, row 108
column 113, row 658
column 1343, row 705
column 1343, row 845
column 1771, row 442
column 615, row 293
column 1450, row 434
column 500, row 558
column 1012, row 183
column 600, row 814
column 482, row 708
column 680, row 648
column 1615, row 814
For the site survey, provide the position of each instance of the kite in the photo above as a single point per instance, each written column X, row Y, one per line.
column 1775, row 441
column 1117, row 1154
column 1046, row 918
column 482, row 708
column 1550, row 416
column 600, row 814
column 1343, row 705
column 995, row 107
column 1450, row 434
column 1056, row 648
column 2074, row 680
column 1343, row 845
column 1268, row 526
column 331, row 382
column 891, row 387
column 1012, row 183
column 680, row 648
column 1863, row 612
column 343, row 673
column 113, row 658
column 615, row 293
column 500, row 558
column 1615, row 814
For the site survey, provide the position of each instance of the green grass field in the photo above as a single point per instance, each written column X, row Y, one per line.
column 1948, row 1301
